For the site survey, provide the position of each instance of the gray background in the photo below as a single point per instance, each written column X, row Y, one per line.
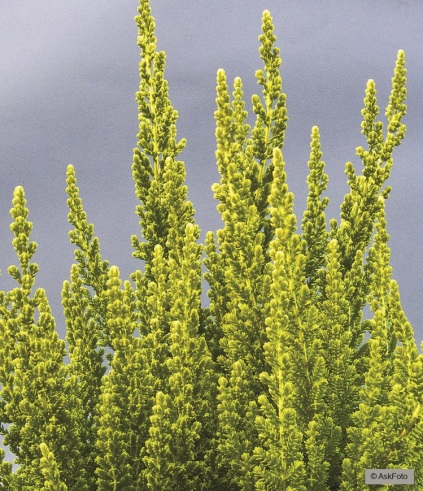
column 68, row 76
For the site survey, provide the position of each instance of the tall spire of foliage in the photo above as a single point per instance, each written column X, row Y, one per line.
column 158, row 176
column 37, row 401
column 361, row 204
column 239, row 273
column 167, row 391
column 314, row 220
column 85, row 308
column 164, row 211
column 279, row 452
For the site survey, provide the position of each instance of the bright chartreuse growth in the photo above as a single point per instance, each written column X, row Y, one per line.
column 274, row 385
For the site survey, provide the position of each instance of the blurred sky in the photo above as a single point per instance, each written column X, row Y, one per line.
column 68, row 77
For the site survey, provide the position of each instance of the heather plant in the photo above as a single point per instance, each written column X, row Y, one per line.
column 280, row 384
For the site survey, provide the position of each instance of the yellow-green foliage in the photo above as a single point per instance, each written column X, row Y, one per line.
column 274, row 386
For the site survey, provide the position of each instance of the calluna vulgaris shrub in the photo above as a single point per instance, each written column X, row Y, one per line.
column 274, row 386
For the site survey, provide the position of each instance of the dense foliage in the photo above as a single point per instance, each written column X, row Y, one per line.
column 280, row 384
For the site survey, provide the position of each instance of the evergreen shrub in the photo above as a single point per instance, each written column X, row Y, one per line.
column 280, row 384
